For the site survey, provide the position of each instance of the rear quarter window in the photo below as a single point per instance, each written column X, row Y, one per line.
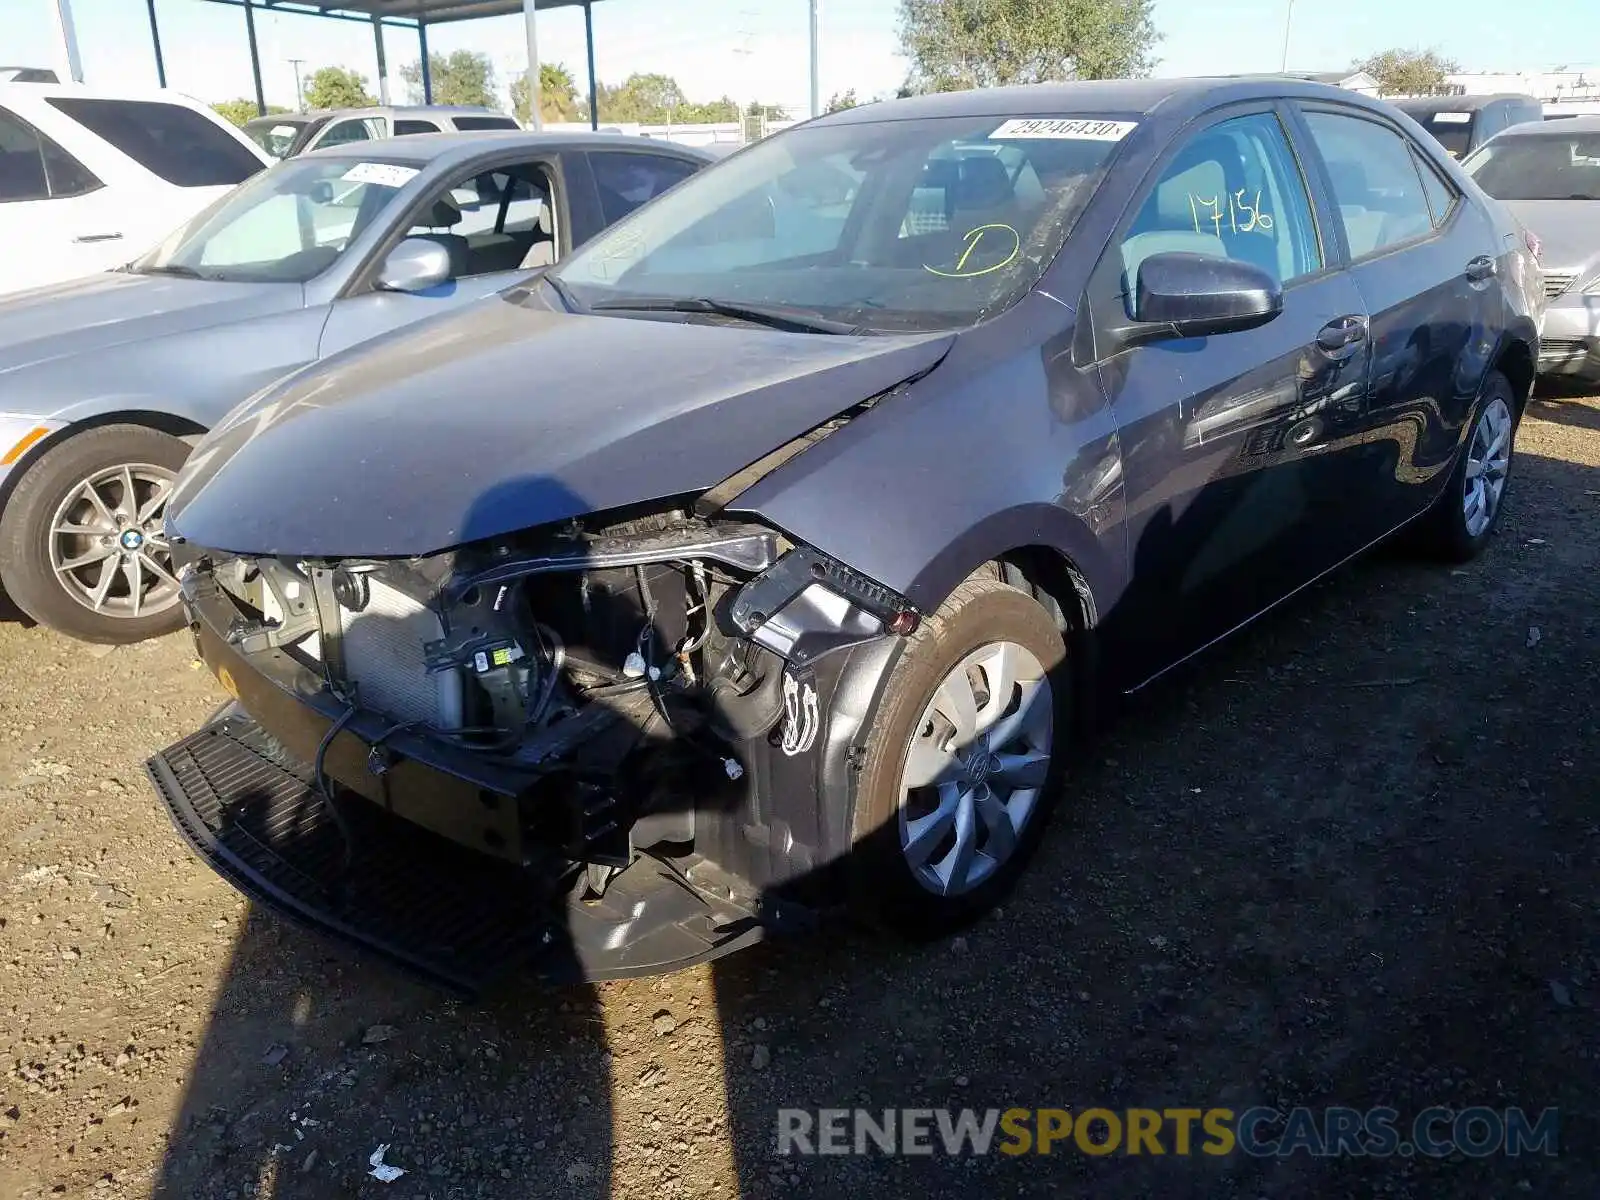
column 172, row 142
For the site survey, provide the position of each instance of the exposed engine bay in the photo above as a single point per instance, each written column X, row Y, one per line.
column 606, row 677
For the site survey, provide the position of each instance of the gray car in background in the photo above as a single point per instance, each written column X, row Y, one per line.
column 1548, row 175
column 106, row 381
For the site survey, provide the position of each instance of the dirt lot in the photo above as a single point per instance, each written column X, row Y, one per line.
column 1349, row 859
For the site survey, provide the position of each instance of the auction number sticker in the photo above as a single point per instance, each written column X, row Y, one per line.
column 1076, row 129
column 1452, row 118
column 382, row 174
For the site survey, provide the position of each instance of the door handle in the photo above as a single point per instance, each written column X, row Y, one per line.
column 1481, row 268
column 97, row 237
column 1342, row 337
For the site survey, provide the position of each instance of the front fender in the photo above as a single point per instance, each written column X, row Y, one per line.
column 1004, row 446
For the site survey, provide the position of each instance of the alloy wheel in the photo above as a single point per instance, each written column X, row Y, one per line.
column 978, row 758
column 1488, row 460
column 107, row 547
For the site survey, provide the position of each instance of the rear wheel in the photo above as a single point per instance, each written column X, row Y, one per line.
column 963, row 763
column 82, row 547
column 1464, row 517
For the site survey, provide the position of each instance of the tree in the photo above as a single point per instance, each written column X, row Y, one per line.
column 240, row 111
column 337, row 87
column 957, row 44
column 558, row 95
column 1409, row 72
column 840, row 101
column 772, row 112
column 462, row 77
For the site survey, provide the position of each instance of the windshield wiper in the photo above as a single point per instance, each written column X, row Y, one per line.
column 177, row 269
column 771, row 316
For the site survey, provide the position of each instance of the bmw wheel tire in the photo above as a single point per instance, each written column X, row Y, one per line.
column 963, row 762
column 82, row 548
column 1464, row 517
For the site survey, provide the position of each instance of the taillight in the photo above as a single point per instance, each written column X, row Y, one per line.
column 1535, row 246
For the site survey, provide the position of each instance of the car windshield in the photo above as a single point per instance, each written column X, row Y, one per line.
column 287, row 225
column 890, row 225
column 274, row 134
column 1541, row 166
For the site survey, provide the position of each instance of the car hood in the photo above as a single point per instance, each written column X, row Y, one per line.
column 506, row 415
column 1569, row 231
column 99, row 312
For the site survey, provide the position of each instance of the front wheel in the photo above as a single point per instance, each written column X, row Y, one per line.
column 81, row 543
column 963, row 763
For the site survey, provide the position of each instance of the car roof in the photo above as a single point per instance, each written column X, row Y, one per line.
column 1458, row 103
column 1094, row 96
column 1589, row 123
column 437, row 110
column 422, row 149
column 14, row 92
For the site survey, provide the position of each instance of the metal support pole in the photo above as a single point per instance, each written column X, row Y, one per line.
column 816, row 58
column 427, row 68
column 255, row 57
column 68, row 35
column 383, row 64
column 594, row 86
column 155, row 44
column 530, row 22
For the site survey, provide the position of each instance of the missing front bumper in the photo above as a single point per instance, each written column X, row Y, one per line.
column 463, row 920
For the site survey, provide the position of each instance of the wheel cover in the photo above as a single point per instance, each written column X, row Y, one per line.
column 978, row 758
column 107, row 547
column 1488, row 460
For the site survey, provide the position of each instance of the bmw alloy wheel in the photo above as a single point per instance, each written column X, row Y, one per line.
column 107, row 547
column 977, row 761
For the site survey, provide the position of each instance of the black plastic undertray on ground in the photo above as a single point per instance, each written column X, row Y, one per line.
column 462, row 919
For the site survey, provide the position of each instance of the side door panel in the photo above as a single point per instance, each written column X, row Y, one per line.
column 1233, row 445
column 1432, row 325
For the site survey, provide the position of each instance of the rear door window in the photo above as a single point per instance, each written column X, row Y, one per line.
column 32, row 167
column 172, row 142
column 1375, row 182
column 404, row 126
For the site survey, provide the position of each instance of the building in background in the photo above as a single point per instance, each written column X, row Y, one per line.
column 1352, row 81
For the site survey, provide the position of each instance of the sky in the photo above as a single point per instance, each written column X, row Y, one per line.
column 757, row 49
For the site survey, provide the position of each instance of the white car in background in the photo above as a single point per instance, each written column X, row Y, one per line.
column 90, row 180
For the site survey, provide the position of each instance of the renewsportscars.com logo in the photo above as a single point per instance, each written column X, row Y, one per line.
column 1333, row 1132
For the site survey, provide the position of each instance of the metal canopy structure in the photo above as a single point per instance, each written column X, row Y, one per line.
column 414, row 16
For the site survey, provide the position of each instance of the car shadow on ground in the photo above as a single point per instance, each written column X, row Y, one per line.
column 1343, row 859
column 11, row 614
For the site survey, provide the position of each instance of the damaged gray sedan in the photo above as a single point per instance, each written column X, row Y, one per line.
column 763, row 558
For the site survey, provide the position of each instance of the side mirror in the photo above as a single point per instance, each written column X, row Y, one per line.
column 415, row 265
column 1195, row 295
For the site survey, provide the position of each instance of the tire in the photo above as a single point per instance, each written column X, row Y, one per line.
column 1446, row 531
column 887, row 888
column 26, row 565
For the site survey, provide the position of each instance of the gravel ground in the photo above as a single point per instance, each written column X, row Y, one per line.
column 1349, row 858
